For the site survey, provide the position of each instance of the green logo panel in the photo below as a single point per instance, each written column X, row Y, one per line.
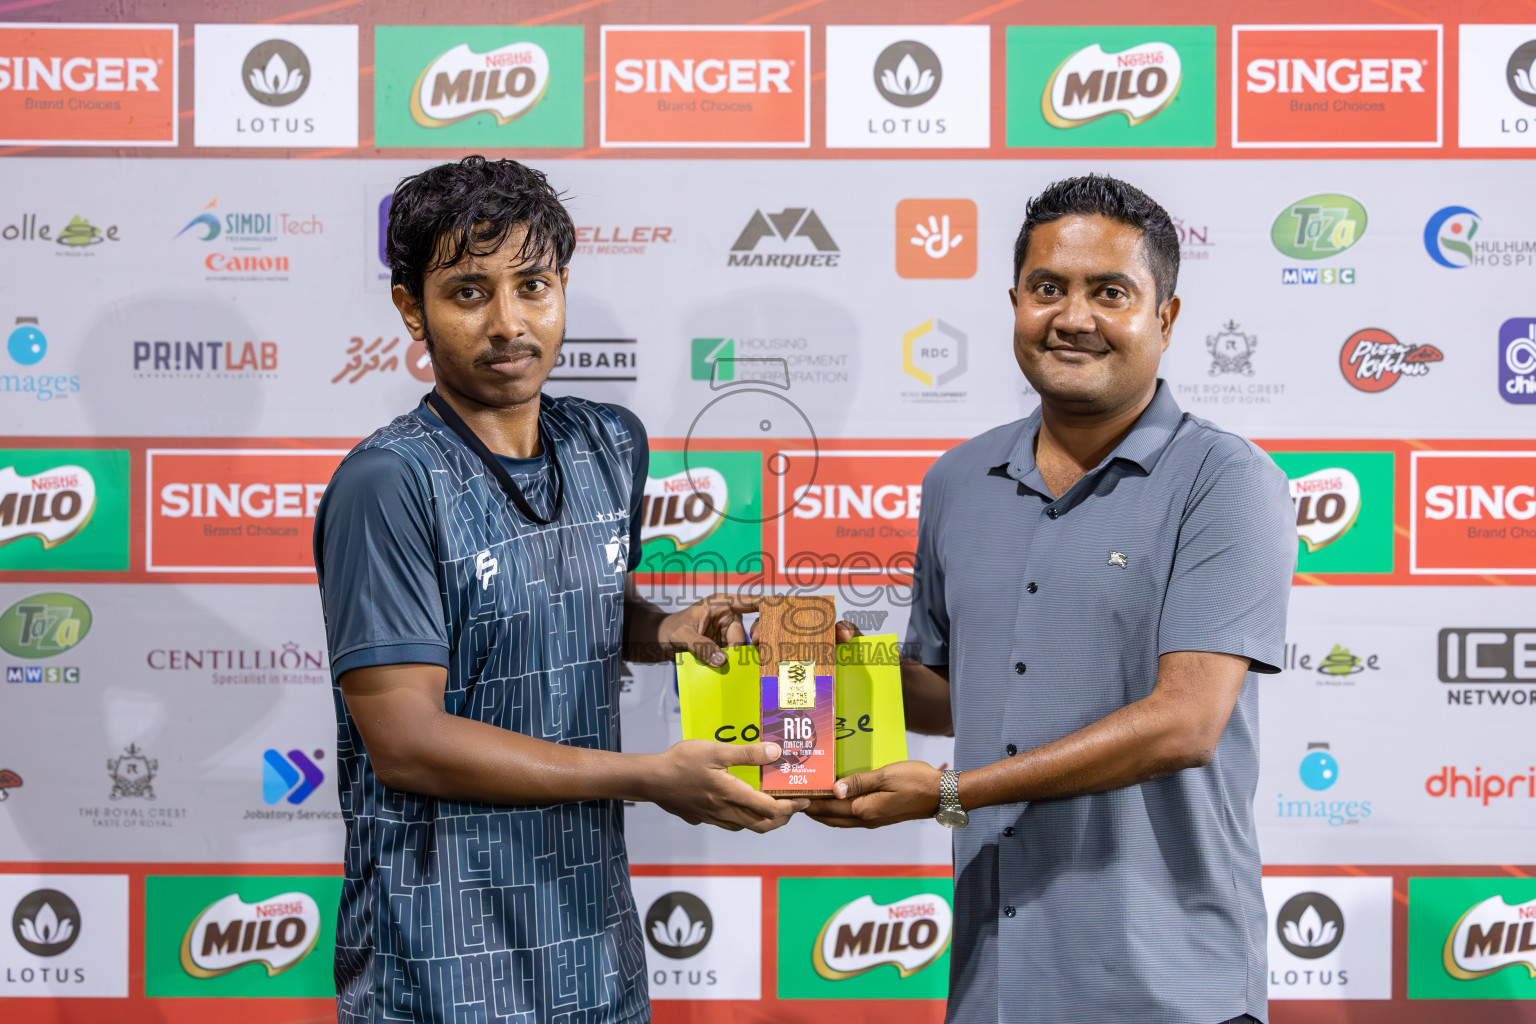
column 216, row 937
column 1099, row 86
column 485, row 86
column 59, row 520
column 44, row 625
column 1472, row 938
column 864, row 938
column 682, row 533
column 1365, row 542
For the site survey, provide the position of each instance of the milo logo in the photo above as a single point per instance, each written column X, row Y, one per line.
column 1319, row 226
column 685, row 507
column 1327, row 502
column 909, row 934
column 1491, row 936
column 276, row 933
column 1091, row 84
column 44, row 625
column 52, row 505
column 507, row 82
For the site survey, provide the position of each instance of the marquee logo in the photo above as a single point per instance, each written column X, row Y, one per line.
column 909, row 934
column 1091, row 84
column 1491, row 936
column 1336, row 85
column 276, row 933
column 1327, row 503
column 506, row 83
column 787, row 226
column 685, row 508
column 53, row 505
column 1373, row 360
column 1473, row 512
column 88, row 85
column 700, row 86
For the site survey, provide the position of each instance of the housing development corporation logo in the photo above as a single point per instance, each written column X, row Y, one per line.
column 1473, row 512
column 913, row 86
column 478, row 86
column 1336, row 85
column 1517, row 360
column 936, row 238
column 88, row 85
column 1373, row 360
column 792, row 228
column 692, row 86
column 276, row 86
column 1106, row 86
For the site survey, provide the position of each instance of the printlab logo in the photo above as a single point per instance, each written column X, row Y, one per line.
column 936, row 238
column 1310, row 925
column 46, row 922
column 1373, row 360
column 133, row 775
column 788, row 226
column 679, row 925
column 1231, row 351
column 204, row 360
column 1520, row 73
column 275, row 73
column 1448, row 236
column 294, row 777
column 908, row 74
column 1517, row 360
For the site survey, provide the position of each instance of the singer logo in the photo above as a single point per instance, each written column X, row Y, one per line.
column 505, row 83
column 88, row 85
column 1473, row 512
column 852, row 511
column 936, row 238
column 671, row 86
column 909, row 934
column 1325, row 86
column 234, row 510
column 276, row 933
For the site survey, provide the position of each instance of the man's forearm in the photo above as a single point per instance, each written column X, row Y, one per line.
column 925, row 697
column 642, row 631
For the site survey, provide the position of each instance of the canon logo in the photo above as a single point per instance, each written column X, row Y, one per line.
column 1346, row 74
column 764, row 74
column 253, row 501
column 1474, row 501
column 78, row 74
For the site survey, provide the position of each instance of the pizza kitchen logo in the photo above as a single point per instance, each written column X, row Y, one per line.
column 1373, row 360
column 275, row 933
column 909, row 934
column 1090, row 84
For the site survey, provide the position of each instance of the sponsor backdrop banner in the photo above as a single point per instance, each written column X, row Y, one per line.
column 794, row 227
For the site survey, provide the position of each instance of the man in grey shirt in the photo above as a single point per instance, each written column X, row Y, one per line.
column 1097, row 586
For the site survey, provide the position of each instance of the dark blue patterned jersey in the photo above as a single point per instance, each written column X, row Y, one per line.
column 454, row 910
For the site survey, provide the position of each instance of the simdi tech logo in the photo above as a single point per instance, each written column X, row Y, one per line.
column 1472, row 512
column 478, row 86
column 1343, row 504
column 268, row 86
column 88, row 85
column 64, row 509
column 1472, row 938
column 1151, row 85
column 1333, row 86
column 705, row 86
column 239, row 937
column 908, row 86
column 864, row 938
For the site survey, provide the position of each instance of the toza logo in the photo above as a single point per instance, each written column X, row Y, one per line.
column 1319, row 226
column 44, row 625
column 295, row 776
column 507, row 82
column 908, row 73
column 1090, row 84
column 230, row 933
column 679, row 925
column 1310, row 925
column 485, row 568
column 1491, row 936
column 275, row 73
column 909, row 934
column 46, row 922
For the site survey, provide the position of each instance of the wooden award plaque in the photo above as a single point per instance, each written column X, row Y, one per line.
column 797, row 641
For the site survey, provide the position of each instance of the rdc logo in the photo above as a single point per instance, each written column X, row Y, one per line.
column 1517, row 360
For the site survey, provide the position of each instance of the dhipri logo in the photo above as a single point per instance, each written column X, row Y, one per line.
column 506, row 83
column 1517, row 360
column 1336, row 85
column 1373, row 360
column 1310, row 925
column 909, row 934
column 1491, row 936
column 679, row 925
column 685, row 507
column 1451, row 784
column 701, row 86
column 1473, row 512
column 1327, row 503
column 294, row 777
column 788, row 225
column 88, row 84
column 52, row 505
column 1090, row 84
column 276, row 933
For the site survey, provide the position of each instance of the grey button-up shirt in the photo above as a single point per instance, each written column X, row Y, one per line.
column 1142, row 904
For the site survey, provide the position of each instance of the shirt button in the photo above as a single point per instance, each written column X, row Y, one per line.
column 1011, row 749
column 1033, row 586
column 1008, row 911
column 1019, row 668
column 1051, row 513
column 1008, row 832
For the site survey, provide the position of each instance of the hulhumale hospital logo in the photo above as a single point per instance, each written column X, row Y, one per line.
column 1448, row 236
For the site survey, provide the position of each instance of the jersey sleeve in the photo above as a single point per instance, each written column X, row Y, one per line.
column 1230, row 587
column 640, row 455
column 376, row 556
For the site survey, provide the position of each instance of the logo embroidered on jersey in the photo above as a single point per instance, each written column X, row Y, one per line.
column 617, row 551
column 485, row 568
column 1117, row 558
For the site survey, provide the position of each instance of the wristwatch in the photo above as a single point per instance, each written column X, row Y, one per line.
column 950, row 814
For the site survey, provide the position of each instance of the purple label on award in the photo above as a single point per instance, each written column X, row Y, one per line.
column 798, row 715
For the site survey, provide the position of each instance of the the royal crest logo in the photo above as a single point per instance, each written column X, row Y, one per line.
column 132, row 774
column 909, row 934
column 276, row 933
column 52, row 505
column 1231, row 350
column 1327, row 503
column 1491, row 936
column 1090, row 84
column 507, row 82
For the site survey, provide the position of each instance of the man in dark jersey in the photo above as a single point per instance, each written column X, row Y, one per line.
column 473, row 558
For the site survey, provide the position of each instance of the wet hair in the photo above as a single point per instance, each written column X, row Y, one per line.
column 1108, row 197
column 469, row 208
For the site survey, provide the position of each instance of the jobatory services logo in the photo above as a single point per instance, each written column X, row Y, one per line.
column 597, row 359
column 1373, row 360
column 936, row 238
column 854, row 511
column 1488, row 666
column 273, row 86
column 1141, row 86
column 1330, row 937
column 293, row 777
column 703, row 936
column 1335, row 86
column 705, row 86
column 64, row 509
column 1344, row 518
column 453, row 86
column 792, row 237
column 1318, row 771
column 88, row 85
column 934, row 354
column 1472, row 512
column 1472, row 938
column 701, row 510
column 1517, row 360
column 908, row 86
column 27, row 346
column 234, row 510
column 67, row 935
column 861, row 938
column 41, row 627
column 1497, row 86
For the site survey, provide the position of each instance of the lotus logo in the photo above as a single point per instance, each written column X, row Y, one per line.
column 506, row 83
column 1310, row 925
column 1491, row 936
column 679, row 925
column 909, row 934
column 276, row 933
column 1327, row 503
column 46, row 922
column 275, row 73
column 908, row 73
column 1090, row 84
column 52, row 505
column 1520, row 73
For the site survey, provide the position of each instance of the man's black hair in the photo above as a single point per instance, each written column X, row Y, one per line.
column 1108, row 197
column 452, row 210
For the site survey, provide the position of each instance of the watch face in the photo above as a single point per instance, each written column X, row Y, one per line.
column 952, row 817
